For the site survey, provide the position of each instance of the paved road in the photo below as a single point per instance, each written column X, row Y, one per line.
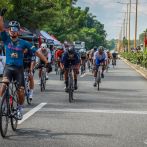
column 115, row 116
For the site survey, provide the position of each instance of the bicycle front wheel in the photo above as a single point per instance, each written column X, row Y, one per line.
column 4, row 115
column 14, row 114
column 70, row 90
column 44, row 80
column 98, row 81
column 41, row 84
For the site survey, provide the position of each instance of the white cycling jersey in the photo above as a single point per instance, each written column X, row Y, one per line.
column 100, row 57
column 47, row 54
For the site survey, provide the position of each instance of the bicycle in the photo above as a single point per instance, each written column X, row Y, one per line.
column 57, row 68
column 9, row 108
column 99, row 75
column 43, row 77
column 61, row 75
column 82, row 68
column 70, row 82
column 27, row 90
column 88, row 65
column 113, row 62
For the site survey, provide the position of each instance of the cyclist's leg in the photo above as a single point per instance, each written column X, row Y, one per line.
column 7, row 77
column 95, row 72
column 84, row 63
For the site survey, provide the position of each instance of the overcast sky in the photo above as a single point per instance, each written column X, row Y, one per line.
column 106, row 12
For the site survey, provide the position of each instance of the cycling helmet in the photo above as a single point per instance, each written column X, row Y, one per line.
column 43, row 46
column 101, row 49
column 108, row 50
column 14, row 24
column 82, row 51
column 95, row 48
column 61, row 48
column 71, row 50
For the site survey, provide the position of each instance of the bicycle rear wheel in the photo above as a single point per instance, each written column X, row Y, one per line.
column 98, row 81
column 4, row 115
column 14, row 114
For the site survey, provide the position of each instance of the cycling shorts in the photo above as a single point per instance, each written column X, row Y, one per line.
column 73, row 63
column 15, row 72
column 25, row 65
column 99, row 61
column 83, row 58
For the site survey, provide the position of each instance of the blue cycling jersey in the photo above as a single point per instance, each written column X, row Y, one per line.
column 14, row 50
column 28, row 57
column 66, row 60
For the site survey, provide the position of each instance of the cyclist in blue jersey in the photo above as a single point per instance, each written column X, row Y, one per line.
column 28, row 62
column 14, row 48
column 70, row 57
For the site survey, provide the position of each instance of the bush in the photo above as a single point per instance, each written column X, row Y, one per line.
column 136, row 58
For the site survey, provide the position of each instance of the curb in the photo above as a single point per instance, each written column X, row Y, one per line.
column 138, row 68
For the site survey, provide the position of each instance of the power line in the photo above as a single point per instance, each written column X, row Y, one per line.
column 139, row 11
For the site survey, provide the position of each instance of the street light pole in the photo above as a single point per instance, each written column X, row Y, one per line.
column 129, row 27
column 136, row 25
column 127, row 21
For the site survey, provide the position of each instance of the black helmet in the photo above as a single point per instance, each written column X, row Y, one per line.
column 14, row 24
column 101, row 48
column 71, row 50
column 95, row 48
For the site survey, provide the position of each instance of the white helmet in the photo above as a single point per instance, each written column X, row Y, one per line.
column 82, row 50
column 43, row 46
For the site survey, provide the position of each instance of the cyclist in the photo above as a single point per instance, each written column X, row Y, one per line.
column 83, row 56
column 70, row 57
column 59, row 54
column 14, row 48
column 29, row 61
column 55, row 58
column 92, row 54
column 109, row 57
column 46, row 52
column 114, row 57
column 100, row 56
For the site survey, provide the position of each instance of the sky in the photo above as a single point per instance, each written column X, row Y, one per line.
column 106, row 12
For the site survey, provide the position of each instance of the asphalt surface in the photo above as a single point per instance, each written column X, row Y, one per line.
column 115, row 116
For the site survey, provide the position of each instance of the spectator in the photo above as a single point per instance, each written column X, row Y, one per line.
column 142, row 48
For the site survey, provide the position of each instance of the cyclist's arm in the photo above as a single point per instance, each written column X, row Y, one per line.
column 62, row 62
column 1, row 24
column 41, row 56
column 32, row 66
column 49, row 56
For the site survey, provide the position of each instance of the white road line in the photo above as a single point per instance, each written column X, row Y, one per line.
column 31, row 112
column 93, row 111
column 83, row 75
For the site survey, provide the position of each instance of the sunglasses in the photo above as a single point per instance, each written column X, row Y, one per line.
column 71, row 54
column 14, row 29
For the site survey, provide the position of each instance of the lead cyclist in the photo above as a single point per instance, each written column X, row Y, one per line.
column 14, row 48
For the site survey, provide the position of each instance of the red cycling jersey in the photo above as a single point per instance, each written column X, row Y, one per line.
column 59, row 53
column 88, row 53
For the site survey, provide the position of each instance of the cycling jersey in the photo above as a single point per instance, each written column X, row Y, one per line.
column 92, row 52
column 28, row 57
column 82, row 54
column 88, row 53
column 14, row 50
column 47, row 54
column 108, row 54
column 100, row 57
column 59, row 53
column 67, row 61
column 114, row 55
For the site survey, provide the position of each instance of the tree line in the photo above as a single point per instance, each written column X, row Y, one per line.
column 58, row 17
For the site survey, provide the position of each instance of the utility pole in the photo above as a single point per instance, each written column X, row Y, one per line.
column 129, row 27
column 127, row 22
column 136, row 25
